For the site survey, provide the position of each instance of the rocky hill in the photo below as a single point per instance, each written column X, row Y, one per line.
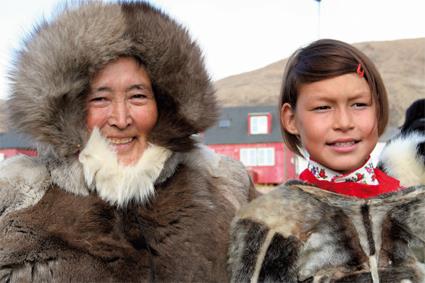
column 401, row 63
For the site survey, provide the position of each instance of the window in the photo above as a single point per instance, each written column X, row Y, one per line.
column 259, row 123
column 248, row 156
column 265, row 156
column 258, row 156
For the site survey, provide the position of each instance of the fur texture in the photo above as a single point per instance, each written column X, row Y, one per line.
column 404, row 156
column 415, row 117
column 403, row 159
column 60, row 236
column 52, row 72
column 301, row 233
column 23, row 182
column 116, row 183
column 64, row 220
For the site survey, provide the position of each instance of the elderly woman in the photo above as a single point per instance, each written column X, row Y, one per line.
column 121, row 190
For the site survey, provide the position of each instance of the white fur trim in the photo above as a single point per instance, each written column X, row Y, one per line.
column 400, row 159
column 118, row 184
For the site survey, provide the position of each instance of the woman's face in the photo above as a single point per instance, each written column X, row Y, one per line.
column 122, row 105
column 336, row 121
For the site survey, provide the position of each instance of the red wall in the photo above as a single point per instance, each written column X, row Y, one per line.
column 283, row 169
column 12, row 152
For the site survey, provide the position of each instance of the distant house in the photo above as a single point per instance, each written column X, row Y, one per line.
column 12, row 144
column 252, row 135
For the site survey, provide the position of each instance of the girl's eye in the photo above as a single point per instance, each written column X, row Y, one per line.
column 360, row 105
column 321, row 108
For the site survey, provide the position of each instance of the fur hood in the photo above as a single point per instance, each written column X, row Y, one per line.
column 51, row 74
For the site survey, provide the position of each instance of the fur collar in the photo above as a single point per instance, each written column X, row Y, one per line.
column 118, row 184
column 70, row 174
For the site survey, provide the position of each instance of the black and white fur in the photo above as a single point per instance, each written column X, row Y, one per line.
column 404, row 156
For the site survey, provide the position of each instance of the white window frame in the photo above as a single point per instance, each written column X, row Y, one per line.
column 261, row 156
column 259, row 124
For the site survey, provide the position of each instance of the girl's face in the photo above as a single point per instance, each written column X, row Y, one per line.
column 336, row 121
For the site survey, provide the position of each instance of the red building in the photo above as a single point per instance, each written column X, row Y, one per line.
column 252, row 135
column 12, row 144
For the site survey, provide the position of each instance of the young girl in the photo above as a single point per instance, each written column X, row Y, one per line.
column 344, row 221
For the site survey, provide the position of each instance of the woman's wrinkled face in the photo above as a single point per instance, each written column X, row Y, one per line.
column 122, row 105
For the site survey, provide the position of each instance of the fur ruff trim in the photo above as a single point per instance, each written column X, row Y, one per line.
column 401, row 160
column 51, row 74
column 118, row 184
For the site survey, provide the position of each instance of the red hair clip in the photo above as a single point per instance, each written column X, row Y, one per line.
column 360, row 70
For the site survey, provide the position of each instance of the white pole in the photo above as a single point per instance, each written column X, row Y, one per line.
column 318, row 19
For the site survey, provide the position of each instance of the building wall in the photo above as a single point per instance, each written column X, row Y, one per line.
column 9, row 152
column 263, row 167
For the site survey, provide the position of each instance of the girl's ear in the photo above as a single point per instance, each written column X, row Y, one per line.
column 287, row 119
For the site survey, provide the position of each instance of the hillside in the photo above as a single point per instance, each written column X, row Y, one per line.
column 401, row 63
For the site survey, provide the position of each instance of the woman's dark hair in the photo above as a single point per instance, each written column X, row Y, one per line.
column 325, row 59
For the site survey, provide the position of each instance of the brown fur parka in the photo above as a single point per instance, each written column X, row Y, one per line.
column 54, row 226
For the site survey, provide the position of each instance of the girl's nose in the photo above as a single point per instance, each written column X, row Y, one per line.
column 343, row 120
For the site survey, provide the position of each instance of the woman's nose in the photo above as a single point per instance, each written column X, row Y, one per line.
column 120, row 116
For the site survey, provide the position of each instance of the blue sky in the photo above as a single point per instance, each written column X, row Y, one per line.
column 242, row 35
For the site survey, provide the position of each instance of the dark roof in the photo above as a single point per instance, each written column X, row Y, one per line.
column 232, row 127
column 15, row 140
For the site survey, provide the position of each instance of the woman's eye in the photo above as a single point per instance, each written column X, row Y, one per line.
column 138, row 96
column 98, row 99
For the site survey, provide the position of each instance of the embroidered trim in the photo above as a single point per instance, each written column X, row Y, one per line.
column 363, row 175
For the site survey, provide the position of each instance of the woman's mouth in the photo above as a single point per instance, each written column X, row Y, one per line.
column 120, row 141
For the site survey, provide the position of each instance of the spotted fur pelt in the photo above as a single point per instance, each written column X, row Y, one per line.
column 299, row 233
